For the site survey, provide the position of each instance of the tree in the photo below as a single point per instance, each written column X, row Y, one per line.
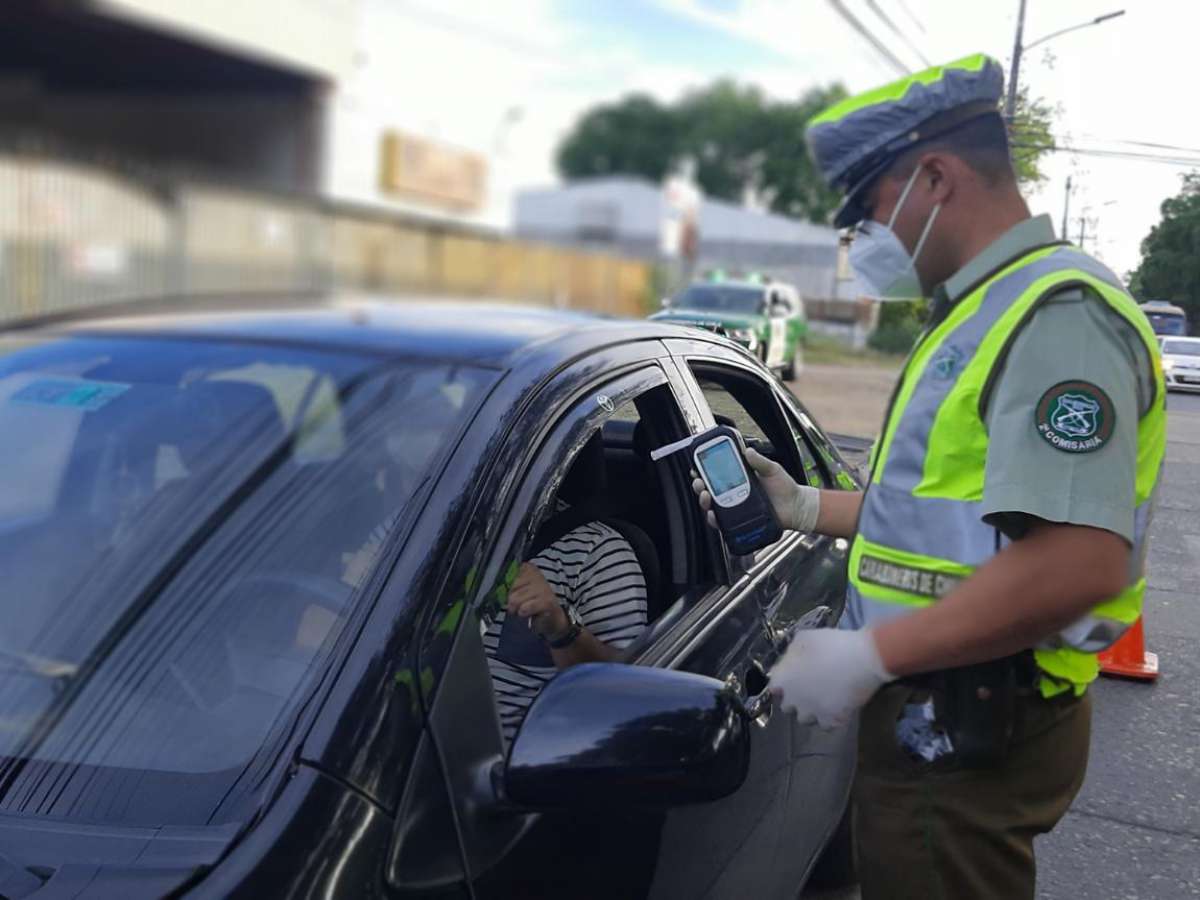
column 1031, row 137
column 723, row 128
column 743, row 144
column 746, row 145
column 634, row 136
column 1170, row 266
column 791, row 184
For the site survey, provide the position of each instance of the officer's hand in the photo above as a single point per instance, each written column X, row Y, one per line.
column 531, row 597
column 795, row 505
column 825, row 675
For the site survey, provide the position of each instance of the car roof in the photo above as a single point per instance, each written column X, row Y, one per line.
column 482, row 332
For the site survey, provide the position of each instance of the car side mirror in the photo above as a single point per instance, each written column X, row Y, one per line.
column 606, row 734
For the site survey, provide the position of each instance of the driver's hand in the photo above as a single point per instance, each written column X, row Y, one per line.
column 785, row 495
column 531, row 597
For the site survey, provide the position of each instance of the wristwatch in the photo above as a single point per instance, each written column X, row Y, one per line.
column 568, row 635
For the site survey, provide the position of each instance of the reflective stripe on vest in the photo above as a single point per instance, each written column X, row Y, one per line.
column 920, row 532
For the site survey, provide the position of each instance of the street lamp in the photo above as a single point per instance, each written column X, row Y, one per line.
column 1010, row 104
column 1095, row 21
column 511, row 117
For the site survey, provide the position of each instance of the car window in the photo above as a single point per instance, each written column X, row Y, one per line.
column 814, row 473
column 813, row 441
column 741, row 398
column 745, row 401
column 603, row 532
column 725, row 406
column 736, row 299
column 225, row 505
column 1181, row 348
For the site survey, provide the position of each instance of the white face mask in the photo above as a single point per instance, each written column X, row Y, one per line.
column 883, row 267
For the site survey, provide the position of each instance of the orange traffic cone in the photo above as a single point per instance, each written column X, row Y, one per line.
column 1129, row 658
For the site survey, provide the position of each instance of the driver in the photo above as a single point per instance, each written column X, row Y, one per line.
column 581, row 599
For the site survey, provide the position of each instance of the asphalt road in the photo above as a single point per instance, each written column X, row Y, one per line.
column 1133, row 832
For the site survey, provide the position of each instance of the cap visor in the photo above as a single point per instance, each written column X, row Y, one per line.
column 853, row 208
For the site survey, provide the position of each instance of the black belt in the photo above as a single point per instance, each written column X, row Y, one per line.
column 1021, row 667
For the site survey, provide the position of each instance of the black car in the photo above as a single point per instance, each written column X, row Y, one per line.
column 247, row 555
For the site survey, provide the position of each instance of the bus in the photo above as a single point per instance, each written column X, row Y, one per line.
column 1165, row 318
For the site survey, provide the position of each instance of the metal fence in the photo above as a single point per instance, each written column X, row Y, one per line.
column 77, row 232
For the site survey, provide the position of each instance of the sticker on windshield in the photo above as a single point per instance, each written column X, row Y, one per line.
column 86, row 396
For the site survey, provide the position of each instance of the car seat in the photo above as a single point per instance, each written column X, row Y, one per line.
column 585, row 489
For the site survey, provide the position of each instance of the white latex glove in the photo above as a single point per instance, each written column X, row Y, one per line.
column 796, row 505
column 826, row 674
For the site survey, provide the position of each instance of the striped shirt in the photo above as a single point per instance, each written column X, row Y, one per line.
column 593, row 569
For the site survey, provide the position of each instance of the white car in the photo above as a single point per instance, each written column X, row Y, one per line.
column 1181, row 363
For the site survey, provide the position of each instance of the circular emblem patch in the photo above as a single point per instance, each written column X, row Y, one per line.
column 1075, row 417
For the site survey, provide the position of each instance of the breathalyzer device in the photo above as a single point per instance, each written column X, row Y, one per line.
column 743, row 512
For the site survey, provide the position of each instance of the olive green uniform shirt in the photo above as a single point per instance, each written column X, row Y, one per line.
column 1073, row 336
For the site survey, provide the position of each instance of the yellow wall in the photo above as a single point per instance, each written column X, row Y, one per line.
column 73, row 235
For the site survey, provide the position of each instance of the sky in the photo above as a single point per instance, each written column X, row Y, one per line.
column 509, row 78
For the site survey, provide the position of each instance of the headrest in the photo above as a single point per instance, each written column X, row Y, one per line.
column 587, row 476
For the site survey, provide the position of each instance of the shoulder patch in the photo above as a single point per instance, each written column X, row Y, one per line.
column 1075, row 417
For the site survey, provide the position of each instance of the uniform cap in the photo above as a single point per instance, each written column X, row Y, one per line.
column 855, row 141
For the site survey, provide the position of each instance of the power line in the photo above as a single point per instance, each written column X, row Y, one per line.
column 920, row 25
column 1142, row 144
column 1187, row 161
column 880, row 47
column 1018, row 129
column 874, row 5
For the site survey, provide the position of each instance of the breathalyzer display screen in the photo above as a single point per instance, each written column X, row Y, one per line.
column 723, row 468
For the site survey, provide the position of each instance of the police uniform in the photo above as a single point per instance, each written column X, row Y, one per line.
column 1035, row 392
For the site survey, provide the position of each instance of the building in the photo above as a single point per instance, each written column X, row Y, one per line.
column 317, row 97
column 170, row 147
column 627, row 215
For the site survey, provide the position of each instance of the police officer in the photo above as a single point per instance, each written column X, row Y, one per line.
column 999, row 544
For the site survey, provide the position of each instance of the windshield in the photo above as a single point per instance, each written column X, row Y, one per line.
column 1167, row 322
column 1182, row 348
column 717, row 298
column 184, row 529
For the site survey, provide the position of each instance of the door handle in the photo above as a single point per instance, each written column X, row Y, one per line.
column 761, row 704
column 757, row 707
column 817, row 617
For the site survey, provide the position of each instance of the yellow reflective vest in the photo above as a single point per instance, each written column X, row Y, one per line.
column 920, row 530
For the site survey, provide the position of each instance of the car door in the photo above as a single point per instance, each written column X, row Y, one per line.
column 797, row 323
column 799, row 582
column 716, row 628
column 775, row 590
column 777, row 319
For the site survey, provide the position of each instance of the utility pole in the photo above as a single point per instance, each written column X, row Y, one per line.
column 1014, row 73
column 1066, row 208
column 1082, row 230
column 1019, row 47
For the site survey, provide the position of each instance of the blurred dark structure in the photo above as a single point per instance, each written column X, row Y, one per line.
column 79, row 79
column 626, row 214
column 139, row 158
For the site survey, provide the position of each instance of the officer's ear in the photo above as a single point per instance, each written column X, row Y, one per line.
column 940, row 174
